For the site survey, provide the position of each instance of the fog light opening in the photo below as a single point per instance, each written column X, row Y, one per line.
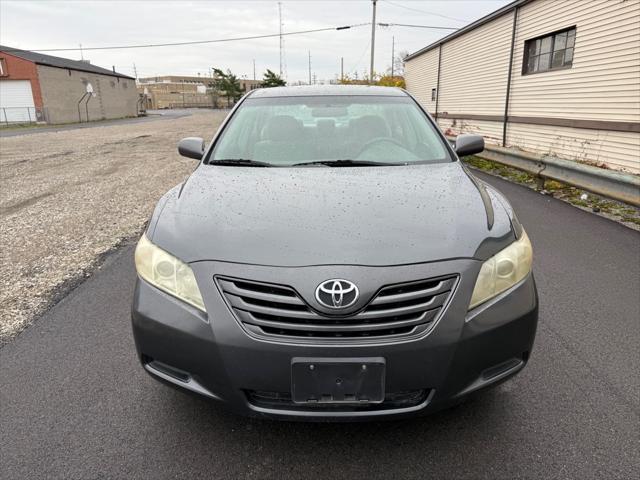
column 173, row 372
column 500, row 368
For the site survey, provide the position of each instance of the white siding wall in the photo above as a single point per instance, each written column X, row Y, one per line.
column 603, row 83
column 617, row 150
column 604, row 80
column 473, row 75
column 421, row 75
column 491, row 131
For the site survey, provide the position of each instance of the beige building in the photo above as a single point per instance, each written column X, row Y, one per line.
column 553, row 77
column 175, row 91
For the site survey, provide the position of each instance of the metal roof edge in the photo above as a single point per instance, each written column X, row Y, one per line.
column 107, row 72
column 59, row 62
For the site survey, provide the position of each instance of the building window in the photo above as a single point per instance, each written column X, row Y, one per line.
column 551, row 52
column 433, row 94
column 3, row 68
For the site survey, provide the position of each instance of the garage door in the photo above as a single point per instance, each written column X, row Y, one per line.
column 16, row 101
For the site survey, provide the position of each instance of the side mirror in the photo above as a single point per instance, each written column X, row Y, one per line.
column 468, row 144
column 191, row 147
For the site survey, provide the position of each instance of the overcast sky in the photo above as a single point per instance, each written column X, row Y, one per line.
column 63, row 24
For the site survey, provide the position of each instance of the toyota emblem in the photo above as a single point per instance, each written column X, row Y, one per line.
column 337, row 293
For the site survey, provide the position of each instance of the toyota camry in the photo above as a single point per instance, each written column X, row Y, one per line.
column 330, row 258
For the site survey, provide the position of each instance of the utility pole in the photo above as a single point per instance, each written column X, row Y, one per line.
column 281, row 39
column 254, row 68
column 135, row 71
column 341, row 69
column 373, row 40
column 309, row 67
column 81, row 54
column 393, row 53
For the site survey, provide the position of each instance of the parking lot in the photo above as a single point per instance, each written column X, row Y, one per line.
column 76, row 404
column 74, row 194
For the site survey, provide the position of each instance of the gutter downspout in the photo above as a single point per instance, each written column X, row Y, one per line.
column 435, row 116
column 508, row 93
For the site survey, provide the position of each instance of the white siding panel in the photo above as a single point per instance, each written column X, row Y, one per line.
column 421, row 75
column 617, row 150
column 474, row 66
column 604, row 81
column 491, row 131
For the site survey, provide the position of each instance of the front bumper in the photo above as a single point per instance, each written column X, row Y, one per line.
column 212, row 355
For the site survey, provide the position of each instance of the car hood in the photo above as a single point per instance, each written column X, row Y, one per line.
column 324, row 215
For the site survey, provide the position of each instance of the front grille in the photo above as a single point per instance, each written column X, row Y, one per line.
column 283, row 401
column 395, row 311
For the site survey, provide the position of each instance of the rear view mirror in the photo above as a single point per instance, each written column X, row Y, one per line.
column 329, row 111
column 467, row 144
column 191, row 147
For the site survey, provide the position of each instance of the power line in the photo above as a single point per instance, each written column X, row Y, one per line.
column 355, row 68
column 197, row 42
column 424, row 11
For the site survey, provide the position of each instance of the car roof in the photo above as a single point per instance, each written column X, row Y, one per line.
column 327, row 90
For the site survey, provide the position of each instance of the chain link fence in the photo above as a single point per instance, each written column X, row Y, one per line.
column 22, row 115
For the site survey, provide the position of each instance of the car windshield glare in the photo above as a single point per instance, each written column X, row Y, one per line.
column 335, row 130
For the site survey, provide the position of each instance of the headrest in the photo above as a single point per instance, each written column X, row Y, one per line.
column 326, row 126
column 370, row 126
column 282, row 128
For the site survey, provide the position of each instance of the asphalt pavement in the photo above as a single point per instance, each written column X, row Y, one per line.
column 76, row 404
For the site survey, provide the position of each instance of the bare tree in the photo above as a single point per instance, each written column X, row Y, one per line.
column 398, row 64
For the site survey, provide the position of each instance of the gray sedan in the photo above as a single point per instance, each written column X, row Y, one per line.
column 330, row 258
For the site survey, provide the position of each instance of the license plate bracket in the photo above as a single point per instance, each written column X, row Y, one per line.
column 338, row 380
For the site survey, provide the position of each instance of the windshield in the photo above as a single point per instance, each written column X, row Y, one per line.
column 343, row 130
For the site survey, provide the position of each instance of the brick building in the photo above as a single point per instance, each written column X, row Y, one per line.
column 38, row 87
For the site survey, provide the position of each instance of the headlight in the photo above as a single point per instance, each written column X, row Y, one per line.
column 167, row 273
column 503, row 270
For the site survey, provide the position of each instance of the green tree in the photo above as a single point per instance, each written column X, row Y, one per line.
column 272, row 79
column 228, row 85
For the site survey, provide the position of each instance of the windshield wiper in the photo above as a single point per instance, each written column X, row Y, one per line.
column 240, row 162
column 344, row 163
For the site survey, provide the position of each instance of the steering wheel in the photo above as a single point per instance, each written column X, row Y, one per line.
column 375, row 141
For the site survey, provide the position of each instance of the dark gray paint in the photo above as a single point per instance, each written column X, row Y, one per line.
column 191, row 147
column 363, row 216
column 326, row 90
column 450, row 358
column 468, row 144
